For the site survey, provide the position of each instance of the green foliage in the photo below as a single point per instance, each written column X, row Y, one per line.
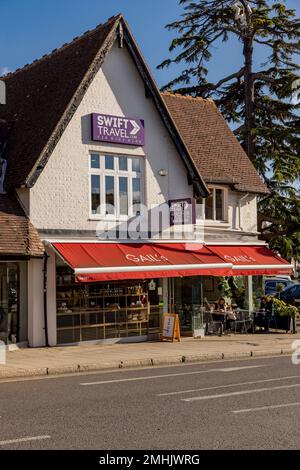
column 257, row 295
column 203, row 27
column 232, row 288
column 238, row 291
column 283, row 309
column 207, row 25
column 224, row 286
column 280, row 221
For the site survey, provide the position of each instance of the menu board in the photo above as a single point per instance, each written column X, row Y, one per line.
column 170, row 327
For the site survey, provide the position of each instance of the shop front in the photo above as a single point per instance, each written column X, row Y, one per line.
column 119, row 291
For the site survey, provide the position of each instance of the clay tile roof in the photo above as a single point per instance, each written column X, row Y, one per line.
column 38, row 95
column 214, row 148
column 18, row 237
column 43, row 96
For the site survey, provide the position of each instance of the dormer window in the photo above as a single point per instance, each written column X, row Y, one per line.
column 215, row 206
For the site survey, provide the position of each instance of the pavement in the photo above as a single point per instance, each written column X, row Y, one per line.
column 104, row 357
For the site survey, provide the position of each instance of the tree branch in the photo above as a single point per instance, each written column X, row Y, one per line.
column 265, row 43
column 227, row 79
column 263, row 77
column 239, row 129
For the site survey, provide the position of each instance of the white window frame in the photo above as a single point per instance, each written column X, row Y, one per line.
column 214, row 220
column 116, row 173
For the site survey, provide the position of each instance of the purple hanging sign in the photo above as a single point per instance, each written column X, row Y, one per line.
column 118, row 129
column 182, row 211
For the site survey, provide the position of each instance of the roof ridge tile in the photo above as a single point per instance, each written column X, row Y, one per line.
column 61, row 48
column 209, row 101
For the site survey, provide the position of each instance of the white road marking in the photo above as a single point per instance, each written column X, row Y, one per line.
column 233, row 369
column 108, row 372
column 243, row 392
column 23, row 439
column 181, row 392
column 283, row 405
column 133, row 379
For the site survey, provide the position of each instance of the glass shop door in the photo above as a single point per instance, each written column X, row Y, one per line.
column 9, row 302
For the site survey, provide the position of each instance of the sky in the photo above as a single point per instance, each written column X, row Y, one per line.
column 31, row 28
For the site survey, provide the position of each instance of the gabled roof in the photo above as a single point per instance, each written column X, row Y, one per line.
column 214, row 148
column 42, row 98
column 18, row 237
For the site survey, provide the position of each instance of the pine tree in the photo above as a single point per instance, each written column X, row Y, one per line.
column 261, row 104
column 279, row 221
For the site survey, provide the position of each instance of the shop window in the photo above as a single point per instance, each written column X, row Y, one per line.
column 215, row 205
column 103, row 310
column 116, row 184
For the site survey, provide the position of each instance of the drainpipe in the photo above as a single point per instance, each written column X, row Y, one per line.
column 240, row 207
column 45, row 299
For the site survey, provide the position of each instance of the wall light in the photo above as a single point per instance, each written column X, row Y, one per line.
column 163, row 172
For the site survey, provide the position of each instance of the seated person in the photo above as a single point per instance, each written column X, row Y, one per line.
column 186, row 314
column 231, row 317
column 262, row 317
column 224, row 313
column 221, row 305
column 207, row 305
column 266, row 305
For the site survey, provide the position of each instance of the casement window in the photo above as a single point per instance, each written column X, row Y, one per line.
column 116, row 186
column 215, row 206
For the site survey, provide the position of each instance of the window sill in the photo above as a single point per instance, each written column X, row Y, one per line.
column 216, row 223
column 110, row 219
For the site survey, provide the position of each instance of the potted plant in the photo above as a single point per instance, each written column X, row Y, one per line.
column 283, row 314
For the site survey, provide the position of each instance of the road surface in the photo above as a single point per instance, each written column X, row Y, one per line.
column 245, row 404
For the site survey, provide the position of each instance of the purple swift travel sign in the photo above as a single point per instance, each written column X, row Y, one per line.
column 118, row 129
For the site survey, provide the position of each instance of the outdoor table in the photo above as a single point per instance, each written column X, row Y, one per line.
column 225, row 319
column 221, row 317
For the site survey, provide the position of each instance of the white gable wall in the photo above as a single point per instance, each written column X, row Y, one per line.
column 60, row 197
column 241, row 224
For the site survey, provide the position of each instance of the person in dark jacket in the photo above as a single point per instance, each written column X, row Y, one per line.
column 263, row 316
column 266, row 305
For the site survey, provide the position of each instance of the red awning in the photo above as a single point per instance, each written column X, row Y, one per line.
column 93, row 262
column 252, row 260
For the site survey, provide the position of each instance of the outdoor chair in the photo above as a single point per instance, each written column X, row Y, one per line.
column 214, row 324
column 243, row 321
